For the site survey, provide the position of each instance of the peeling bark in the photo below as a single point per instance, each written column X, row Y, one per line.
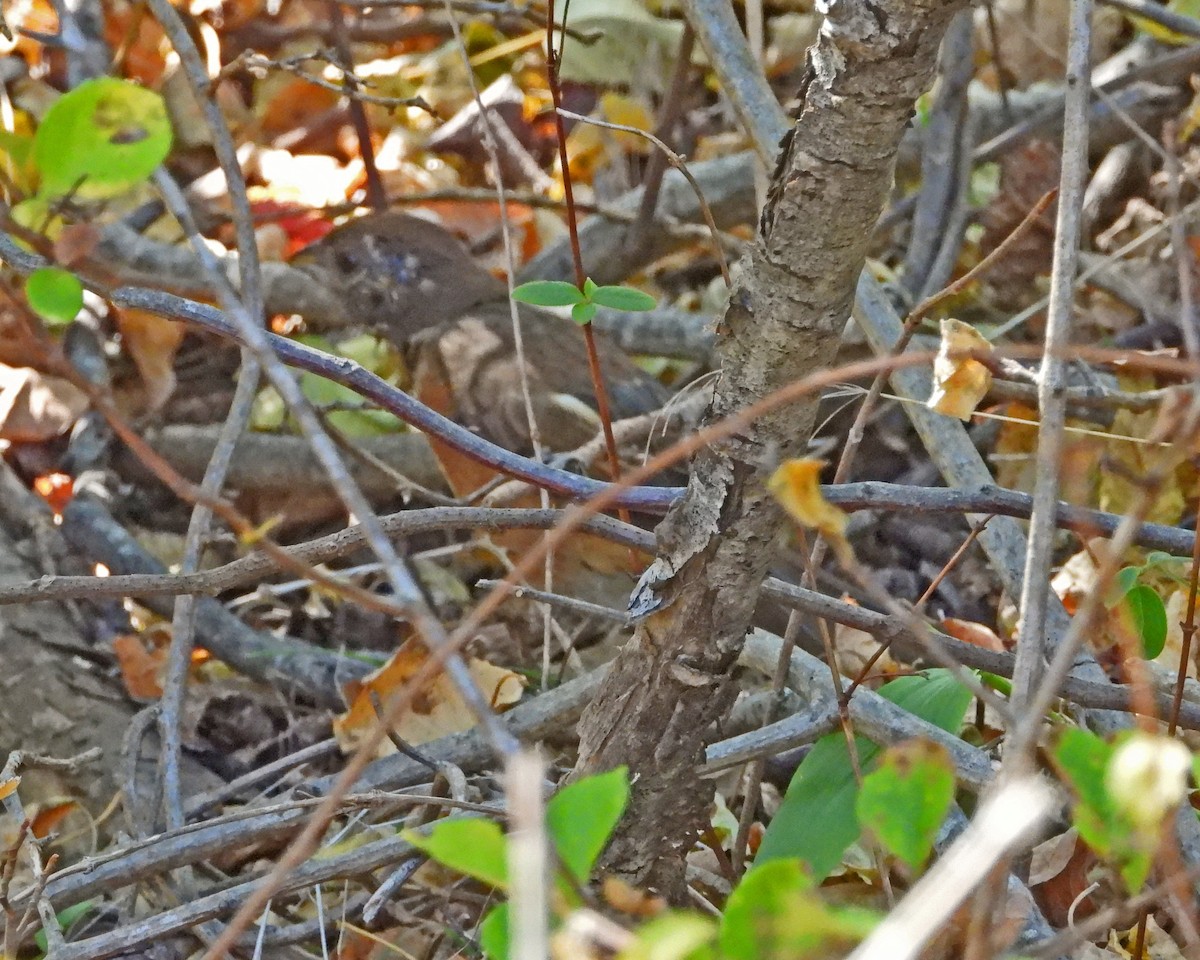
column 793, row 296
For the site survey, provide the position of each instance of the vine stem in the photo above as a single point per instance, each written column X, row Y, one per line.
column 589, row 336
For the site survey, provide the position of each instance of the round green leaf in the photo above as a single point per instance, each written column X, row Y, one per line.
column 622, row 298
column 494, row 933
column 548, row 293
column 776, row 911
column 477, row 848
column 904, row 801
column 103, row 136
column 582, row 816
column 583, row 313
column 55, row 294
column 1149, row 618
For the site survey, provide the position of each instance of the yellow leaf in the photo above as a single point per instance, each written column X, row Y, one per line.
column 960, row 381
column 797, row 487
column 9, row 786
column 262, row 531
column 618, row 108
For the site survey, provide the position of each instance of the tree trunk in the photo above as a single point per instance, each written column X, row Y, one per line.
column 786, row 313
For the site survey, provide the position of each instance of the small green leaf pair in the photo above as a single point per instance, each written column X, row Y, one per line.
column 583, row 303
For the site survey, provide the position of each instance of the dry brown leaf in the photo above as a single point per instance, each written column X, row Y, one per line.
column 49, row 817
column 435, row 711
column 1159, row 944
column 629, row 899
column 960, row 382
column 35, row 407
column 152, row 343
column 141, row 668
column 976, row 634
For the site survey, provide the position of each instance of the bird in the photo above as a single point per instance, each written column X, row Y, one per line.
column 419, row 286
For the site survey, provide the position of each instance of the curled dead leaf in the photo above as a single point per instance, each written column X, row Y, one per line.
column 435, row 711
column 960, row 382
column 796, row 484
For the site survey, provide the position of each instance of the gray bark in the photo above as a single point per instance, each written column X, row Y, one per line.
column 795, row 291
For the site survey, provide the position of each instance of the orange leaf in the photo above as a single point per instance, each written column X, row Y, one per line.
column 56, row 489
column 46, row 820
column 975, row 634
column 152, row 342
column 140, row 668
column 435, row 711
column 797, row 487
column 960, row 382
column 9, row 786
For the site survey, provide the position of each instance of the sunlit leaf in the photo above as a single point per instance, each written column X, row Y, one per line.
column 56, row 295
column 102, row 137
column 1083, row 760
column 777, row 911
column 493, row 932
column 469, row 845
column 960, row 381
column 796, row 484
column 675, row 935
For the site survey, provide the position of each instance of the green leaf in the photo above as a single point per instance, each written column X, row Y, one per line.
column 107, row 133
column 472, row 846
column 1082, row 759
column 1149, row 616
column 777, row 911
column 622, row 298
column 548, row 293
column 55, row 295
column 66, row 917
column 583, row 313
column 674, row 935
column 904, row 801
column 589, row 287
column 581, row 817
column 493, row 932
column 1125, row 580
column 816, row 821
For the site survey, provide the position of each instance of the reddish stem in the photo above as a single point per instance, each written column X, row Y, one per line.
column 589, row 337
